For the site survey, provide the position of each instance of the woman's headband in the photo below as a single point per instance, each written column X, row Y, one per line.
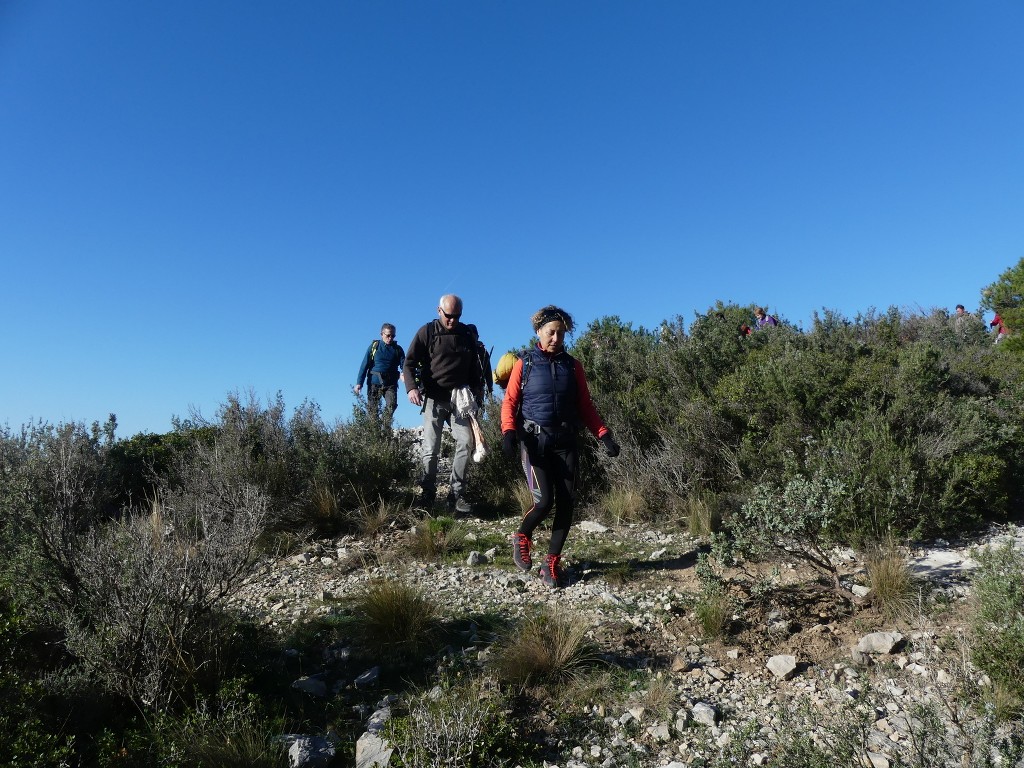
column 549, row 316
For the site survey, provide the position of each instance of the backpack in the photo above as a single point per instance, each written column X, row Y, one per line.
column 504, row 370
column 507, row 362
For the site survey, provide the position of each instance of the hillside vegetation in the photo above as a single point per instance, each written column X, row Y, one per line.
column 121, row 555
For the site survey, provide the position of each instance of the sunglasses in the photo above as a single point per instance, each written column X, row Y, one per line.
column 449, row 317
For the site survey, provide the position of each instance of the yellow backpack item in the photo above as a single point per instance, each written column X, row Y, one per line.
column 504, row 369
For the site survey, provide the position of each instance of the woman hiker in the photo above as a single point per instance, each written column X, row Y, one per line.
column 546, row 400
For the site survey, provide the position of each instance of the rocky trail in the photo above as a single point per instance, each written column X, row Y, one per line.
column 795, row 649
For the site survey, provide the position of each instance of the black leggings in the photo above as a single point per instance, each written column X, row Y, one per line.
column 554, row 474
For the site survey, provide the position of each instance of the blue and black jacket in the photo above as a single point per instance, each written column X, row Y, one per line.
column 382, row 364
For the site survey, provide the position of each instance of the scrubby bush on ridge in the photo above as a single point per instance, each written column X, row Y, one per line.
column 924, row 425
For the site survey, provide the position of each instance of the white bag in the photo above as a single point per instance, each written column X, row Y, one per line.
column 464, row 406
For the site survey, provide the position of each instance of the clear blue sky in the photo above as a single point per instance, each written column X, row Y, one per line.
column 205, row 197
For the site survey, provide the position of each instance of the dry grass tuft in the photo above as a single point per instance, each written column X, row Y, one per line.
column 325, row 502
column 701, row 518
column 660, row 696
column 435, row 537
column 544, row 648
column 624, row 505
column 713, row 611
column 372, row 519
column 890, row 580
column 523, row 497
column 396, row 619
column 1006, row 703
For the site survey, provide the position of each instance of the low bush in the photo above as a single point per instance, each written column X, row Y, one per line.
column 877, row 474
column 146, row 621
column 997, row 626
column 463, row 725
column 796, row 520
column 31, row 737
column 234, row 735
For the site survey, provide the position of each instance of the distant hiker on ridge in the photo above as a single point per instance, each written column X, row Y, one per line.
column 764, row 319
column 962, row 321
column 1000, row 327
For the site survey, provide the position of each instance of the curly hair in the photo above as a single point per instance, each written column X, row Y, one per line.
column 545, row 315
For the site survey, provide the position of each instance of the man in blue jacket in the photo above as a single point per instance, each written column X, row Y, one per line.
column 381, row 369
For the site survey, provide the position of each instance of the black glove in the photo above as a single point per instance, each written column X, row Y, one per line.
column 610, row 446
column 508, row 444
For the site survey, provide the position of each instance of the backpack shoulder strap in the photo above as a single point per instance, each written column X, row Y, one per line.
column 527, row 359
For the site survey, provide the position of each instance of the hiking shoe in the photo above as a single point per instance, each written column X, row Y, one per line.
column 521, row 551
column 458, row 506
column 551, row 572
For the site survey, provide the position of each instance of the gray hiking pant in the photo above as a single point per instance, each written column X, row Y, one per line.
column 434, row 417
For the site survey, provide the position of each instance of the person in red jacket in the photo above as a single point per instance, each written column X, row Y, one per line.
column 546, row 401
column 1001, row 330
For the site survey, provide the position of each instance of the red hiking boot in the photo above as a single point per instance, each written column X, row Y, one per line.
column 551, row 572
column 521, row 551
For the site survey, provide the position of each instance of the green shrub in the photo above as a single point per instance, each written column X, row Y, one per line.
column 876, row 472
column 1006, row 296
column 997, row 625
column 792, row 521
column 464, row 724
column 621, row 364
column 52, row 491
column 32, row 736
